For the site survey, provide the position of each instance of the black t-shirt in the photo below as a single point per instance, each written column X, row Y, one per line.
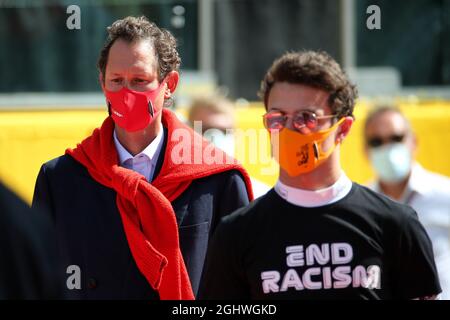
column 364, row 246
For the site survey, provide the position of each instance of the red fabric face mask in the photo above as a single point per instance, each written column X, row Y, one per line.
column 132, row 110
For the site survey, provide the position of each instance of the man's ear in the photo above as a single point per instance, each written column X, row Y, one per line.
column 344, row 129
column 172, row 79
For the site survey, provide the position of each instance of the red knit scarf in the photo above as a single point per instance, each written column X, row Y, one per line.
column 145, row 208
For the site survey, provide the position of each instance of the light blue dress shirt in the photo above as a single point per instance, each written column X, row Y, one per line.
column 145, row 161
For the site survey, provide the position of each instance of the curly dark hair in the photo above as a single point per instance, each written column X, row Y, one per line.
column 315, row 69
column 140, row 28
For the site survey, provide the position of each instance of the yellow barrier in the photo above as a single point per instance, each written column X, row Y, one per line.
column 30, row 138
column 430, row 122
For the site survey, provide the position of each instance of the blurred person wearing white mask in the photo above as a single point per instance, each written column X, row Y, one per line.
column 391, row 145
column 215, row 114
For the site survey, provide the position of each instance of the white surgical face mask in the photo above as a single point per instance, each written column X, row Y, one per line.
column 221, row 140
column 392, row 162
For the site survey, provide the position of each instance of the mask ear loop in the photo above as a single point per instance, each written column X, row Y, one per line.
column 316, row 147
column 316, row 151
column 109, row 108
column 151, row 109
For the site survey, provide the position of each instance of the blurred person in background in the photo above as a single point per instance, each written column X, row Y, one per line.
column 28, row 253
column 391, row 145
column 216, row 116
column 133, row 209
column 317, row 235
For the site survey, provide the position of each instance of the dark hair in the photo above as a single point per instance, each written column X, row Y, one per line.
column 315, row 69
column 140, row 28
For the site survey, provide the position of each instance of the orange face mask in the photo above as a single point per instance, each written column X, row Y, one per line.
column 301, row 153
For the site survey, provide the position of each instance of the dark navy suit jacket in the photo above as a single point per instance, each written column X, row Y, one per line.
column 91, row 236
column 28, row 253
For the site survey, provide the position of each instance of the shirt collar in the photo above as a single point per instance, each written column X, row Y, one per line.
column 317, row 198
column 151, row 151
column 418, row 182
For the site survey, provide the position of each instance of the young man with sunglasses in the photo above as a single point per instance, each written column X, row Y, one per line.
column 317, row 235
column 390, row 145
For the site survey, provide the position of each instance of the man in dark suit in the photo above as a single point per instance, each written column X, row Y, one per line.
column 126, row 194
column 28, row 254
